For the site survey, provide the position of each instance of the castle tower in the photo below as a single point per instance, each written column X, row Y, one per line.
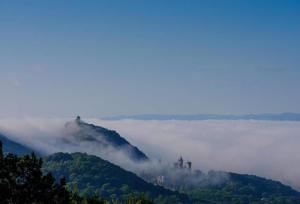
column 189, row 165
column 180, row 162
column 78, row 119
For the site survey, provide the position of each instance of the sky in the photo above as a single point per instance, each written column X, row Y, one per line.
column 100, row 58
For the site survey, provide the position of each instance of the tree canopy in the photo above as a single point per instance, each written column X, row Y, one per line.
column 23, row 182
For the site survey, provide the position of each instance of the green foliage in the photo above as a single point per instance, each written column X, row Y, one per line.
column 245, row 189
column 22, row 181
column 85, row 179
column 93, row 176
column 133, row 199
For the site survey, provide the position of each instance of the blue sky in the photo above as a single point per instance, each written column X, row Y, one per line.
column 97, row 58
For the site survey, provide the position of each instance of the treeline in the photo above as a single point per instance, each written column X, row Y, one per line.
column 23, row 182
column 92, row 176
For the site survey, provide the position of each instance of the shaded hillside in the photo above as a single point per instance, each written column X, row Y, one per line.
column 78, row 131
column 93, row 175
column 23, row 182
column 244, row 189
column 10, row 146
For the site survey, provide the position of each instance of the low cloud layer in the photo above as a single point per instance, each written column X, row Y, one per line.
column 264, row 148
column 48, row 136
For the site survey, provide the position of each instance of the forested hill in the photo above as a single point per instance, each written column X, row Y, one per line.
column 80, row 131
column 245, row 189
column 92, row 175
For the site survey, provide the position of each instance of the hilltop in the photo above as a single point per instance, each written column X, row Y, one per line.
column 78, row 131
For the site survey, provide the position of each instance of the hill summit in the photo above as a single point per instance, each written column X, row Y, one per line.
column 78, row 131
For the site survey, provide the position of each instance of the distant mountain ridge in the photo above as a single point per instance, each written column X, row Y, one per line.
column 266, row 116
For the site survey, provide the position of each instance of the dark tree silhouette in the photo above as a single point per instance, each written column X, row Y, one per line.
column 22, row 181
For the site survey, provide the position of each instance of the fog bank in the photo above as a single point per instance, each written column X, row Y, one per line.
column 264, row 148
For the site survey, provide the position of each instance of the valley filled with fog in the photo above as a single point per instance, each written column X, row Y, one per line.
column 263, row 148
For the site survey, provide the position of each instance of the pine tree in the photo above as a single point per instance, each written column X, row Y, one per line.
column 22, row 182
